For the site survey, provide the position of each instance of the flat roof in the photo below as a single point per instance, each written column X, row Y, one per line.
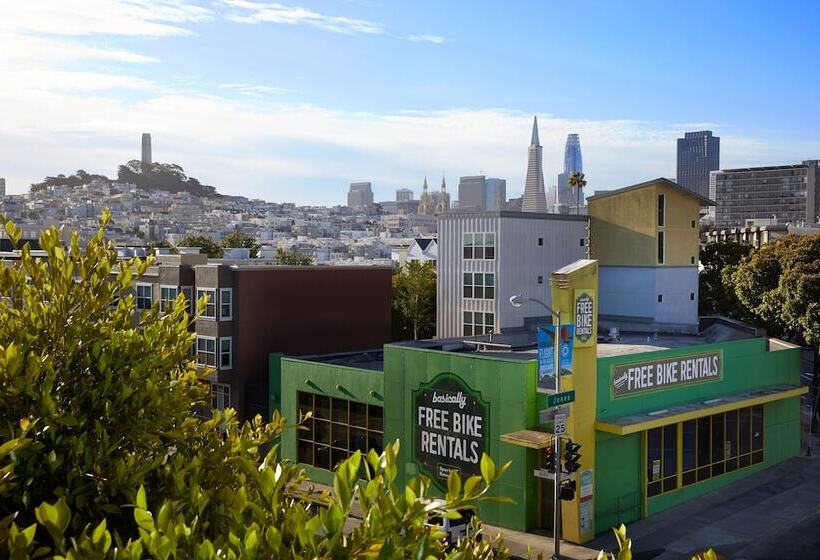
column 511, row 214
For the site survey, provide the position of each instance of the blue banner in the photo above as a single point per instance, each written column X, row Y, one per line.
column 546, row 354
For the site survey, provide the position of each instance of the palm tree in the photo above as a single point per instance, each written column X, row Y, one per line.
column 577, row 182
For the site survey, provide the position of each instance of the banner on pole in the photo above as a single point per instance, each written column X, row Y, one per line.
column 545, row 337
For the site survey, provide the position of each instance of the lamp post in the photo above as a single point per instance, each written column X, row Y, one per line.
column 517, row 301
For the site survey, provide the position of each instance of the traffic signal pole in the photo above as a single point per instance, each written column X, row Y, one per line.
column 556, row 515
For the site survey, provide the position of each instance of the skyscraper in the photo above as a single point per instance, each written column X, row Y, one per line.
column 146, row 148
column 698, row 154
column 573, row 163
column 535, row 199
column 477, row 193
column 404, row 195
column 360, row 195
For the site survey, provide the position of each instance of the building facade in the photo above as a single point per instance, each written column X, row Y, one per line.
column 698, row 155
column 484, row 258
column 756, row 236
column 146, row 149
column 360, row 195
column 783, row 193
column 646, row 240
column 725, row 403
column 404, row 195
column 477, row 193
column 254, row 309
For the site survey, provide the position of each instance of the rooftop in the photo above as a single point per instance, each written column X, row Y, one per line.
column 455, row 214
column 660, row 180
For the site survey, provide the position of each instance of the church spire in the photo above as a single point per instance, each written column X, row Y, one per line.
column 443, row 198
column 425, row 204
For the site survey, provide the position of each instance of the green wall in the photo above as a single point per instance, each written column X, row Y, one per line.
column 355, row 384
column 619, row 459
column 508, row 386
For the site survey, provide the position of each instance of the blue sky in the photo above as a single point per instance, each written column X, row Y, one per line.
column 292, row 101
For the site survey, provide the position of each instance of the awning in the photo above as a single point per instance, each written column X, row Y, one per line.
column 528, row 438
column 624, row 425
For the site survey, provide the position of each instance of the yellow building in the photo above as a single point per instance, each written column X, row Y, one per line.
column 646, row 239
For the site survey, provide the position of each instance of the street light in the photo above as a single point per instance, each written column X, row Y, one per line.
column 517, row 301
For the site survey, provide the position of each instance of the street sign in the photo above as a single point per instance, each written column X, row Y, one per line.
column 558, row 399
column 544, row 473
column 560, row 425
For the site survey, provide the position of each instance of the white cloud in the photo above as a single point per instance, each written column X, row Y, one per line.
column 246, row 11
column 252, row 90
column 39, row 50
column 436, row 39
column 151, row 18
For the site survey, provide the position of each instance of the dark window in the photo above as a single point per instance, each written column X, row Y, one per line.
column 540, row 241
column 694, row 224
column 339, row 428
column 583, row 242
column 691, row 260
column 660, row 298
column 691, row 296
column 660, row 247
column 661, row 210
column 661, row 460
column 540, row 279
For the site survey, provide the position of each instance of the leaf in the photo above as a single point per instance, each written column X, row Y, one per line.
column 421, row 551
column 487, row 468
column 141, row 501
column 453, row 485
column 144, row 519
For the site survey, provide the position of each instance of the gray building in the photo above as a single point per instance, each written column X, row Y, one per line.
column 484, row 258
column 698, row 154
column 360, row 195
column 778, row 194
column 535, row 198
column 404, row 195
column 477, row 193
column 146, row 148
column 2, row 187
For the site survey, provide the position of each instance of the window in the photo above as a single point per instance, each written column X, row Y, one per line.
column 583, row 242
column 661, row 210
column 225, row 304
column 220, row 396
column 188, row 292
column 338, row 428
column 693, row 224
column 167, row 295
column 691, row 260
column 660, row 247
column 210, row 306
column 226, row 352
column 691, row 296
column 540, row 241
column 144, row 296
column 722, row 443
column 479, row 285
column 540, row 279
column 479, row 246
column 476, row 322
column 660, row 298
column 206, row 351
column 661, row 460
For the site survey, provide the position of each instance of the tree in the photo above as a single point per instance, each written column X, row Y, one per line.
column 206, row 243
column 577, row 182
column 414, row 299
column 780, row 284
column 102, row 458
column 238, row 239
column 717, row 295
column 294, row 258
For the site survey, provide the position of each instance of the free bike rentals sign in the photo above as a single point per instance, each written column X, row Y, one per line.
column 546, row 354
column 451, row 425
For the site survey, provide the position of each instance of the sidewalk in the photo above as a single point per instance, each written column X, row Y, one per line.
column 529, row 545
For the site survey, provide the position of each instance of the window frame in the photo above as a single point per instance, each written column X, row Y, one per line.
column 485, row 290
column 222, row 316
column 225, row 389
column 205, row 351
column 661, row 247
column 221, row 350
column 165, row 303
column 478, row 245
column 138, row 297
column 211, row 302
column 661, row 210
column 469, row 326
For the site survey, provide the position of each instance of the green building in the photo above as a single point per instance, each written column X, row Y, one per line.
column 661, row 419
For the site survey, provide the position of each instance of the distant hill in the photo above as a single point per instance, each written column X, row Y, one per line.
column 156, row 176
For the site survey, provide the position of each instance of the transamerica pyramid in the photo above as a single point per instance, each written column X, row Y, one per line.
column 535, row 199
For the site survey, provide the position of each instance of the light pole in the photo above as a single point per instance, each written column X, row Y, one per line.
column 517, row 301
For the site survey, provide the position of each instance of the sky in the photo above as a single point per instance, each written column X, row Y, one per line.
column 290, row 102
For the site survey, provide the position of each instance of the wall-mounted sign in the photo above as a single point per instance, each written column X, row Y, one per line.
column 585, row 487
column 585, row 323
column 666, row 373
column 546, row 354
column 451, row 425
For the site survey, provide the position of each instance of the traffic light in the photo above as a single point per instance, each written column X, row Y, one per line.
column 568, row 490
column 571, row 456
column 550, row 462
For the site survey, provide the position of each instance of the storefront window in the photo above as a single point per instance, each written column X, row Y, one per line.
column 722, row 443
column 338, row 428
column 662, row 459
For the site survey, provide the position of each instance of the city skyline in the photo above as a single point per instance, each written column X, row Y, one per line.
column 261, row 114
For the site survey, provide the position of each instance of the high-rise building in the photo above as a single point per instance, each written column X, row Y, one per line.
column 360, row 195
column 776, row 194
column 566, row 197
column 477, row 193
column 535, row 198
column 404, row 195
column 2, row 187
column 573, row 163
column 146, row 148
column 698, row 154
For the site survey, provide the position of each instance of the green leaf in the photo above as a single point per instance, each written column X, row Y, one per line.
column 141, row 502
column 421, row 551
column 487, row 468
column 144, row 519
column 453, row 485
